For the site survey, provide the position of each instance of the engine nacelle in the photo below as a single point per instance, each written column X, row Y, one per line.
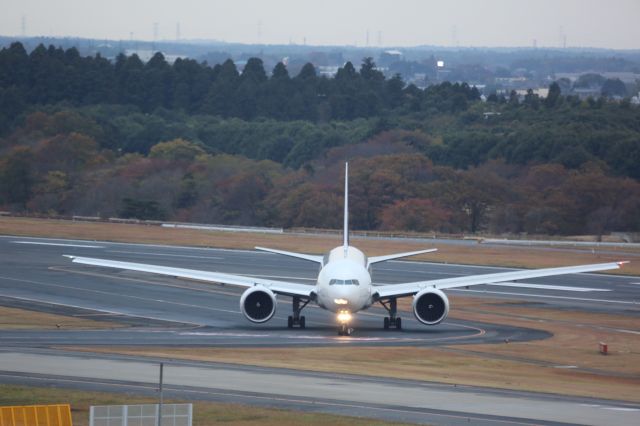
column 430, row 306
column 258, row 304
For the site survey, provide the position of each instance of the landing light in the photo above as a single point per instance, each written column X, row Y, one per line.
column 340, row 301
column 344, row 317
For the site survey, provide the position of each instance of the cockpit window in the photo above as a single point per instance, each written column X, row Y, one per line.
column 344, row 282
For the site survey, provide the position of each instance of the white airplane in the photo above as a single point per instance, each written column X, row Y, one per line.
column 344, row 285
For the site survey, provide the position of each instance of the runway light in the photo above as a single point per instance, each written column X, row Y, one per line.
column 344, row 317
column 340, row 301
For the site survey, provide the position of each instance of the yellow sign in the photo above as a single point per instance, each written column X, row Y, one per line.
column 36, row 415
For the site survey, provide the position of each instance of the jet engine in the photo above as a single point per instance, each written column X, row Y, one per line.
column 258, row 304
column 430, row 306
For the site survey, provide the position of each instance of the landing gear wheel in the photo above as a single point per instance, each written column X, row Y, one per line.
column 398, row 323
column 386, row 323
column 344, row 330
column 290, row 322
column 302, row 322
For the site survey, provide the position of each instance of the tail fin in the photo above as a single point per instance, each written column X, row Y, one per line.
column 345, row 231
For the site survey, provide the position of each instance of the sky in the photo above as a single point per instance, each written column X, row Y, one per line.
column 479, row 23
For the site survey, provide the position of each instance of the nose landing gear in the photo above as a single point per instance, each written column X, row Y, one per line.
column 296, row 319
column 392, row 320
column 344, row 330
column 344, row 318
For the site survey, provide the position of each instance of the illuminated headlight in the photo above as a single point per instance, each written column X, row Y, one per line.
column 340, row 301
column 344, row 317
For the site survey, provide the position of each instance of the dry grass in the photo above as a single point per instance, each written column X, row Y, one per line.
column 464, row 254
column 205, row 413
column 12, row 318
column 522, row 366
column 576, row 336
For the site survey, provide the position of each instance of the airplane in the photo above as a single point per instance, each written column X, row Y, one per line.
column 344, row 285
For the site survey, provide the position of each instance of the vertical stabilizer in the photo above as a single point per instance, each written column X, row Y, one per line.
column 345, row 230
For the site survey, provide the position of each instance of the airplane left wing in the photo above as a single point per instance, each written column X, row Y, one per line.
column 377, row 259
column 278, row 287
column 407, row 289
column 309, row 257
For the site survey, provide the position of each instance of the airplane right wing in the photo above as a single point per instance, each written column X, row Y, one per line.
column 278, row 287
column 408, row 289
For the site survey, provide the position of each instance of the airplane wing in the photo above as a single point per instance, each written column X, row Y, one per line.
column 278, row 287
column 376, row 259
column 407, row 289
column 310, row 257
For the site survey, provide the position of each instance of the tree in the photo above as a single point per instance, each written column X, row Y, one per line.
column 16, row 176
column 416, row 214
column 614, row 87
column 176, row 150
column 553, row 96
column 141, row 209
column 369, row 72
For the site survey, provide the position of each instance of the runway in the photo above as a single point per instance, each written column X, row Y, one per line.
column 392, row 399
column 165, row 311
column 35, row 275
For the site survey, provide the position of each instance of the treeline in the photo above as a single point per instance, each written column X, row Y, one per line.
column 85, row 136
column 52, row 75
column 394, row 187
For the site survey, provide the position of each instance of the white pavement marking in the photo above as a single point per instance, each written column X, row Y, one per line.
column 28, row 299
column 546, row 296
column 116, row 294
column 282, row 383
column 164, row 254
column 546, row 286
column 56, row 244
column 621, row 330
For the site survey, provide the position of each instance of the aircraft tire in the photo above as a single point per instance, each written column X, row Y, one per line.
column 398, row 323
column 290, row 322
column 386, row 323
column 302, row 322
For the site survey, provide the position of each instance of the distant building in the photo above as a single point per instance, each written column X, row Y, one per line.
column 586, row 92
column 328, row 70
column 146, row 54
column 388, row 57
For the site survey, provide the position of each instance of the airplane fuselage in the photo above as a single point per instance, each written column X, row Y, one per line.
column 344, row 283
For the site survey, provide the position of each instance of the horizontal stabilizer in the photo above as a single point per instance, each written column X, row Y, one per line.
column 310, row 257
column 377, row 259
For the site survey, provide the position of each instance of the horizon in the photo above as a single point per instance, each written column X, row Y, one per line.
column 216, row 42
column 358, row 23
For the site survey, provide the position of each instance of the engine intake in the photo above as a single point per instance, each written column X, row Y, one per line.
column 258, row 304
column 430, row 306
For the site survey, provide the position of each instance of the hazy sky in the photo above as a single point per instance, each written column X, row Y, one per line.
column 593, row 23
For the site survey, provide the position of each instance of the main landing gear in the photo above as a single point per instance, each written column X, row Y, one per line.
column 392, row 320
column 296, row 319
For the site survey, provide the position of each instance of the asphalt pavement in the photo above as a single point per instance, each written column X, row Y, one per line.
column 166, row 311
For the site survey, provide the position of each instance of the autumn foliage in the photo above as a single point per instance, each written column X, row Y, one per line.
column 189, row 142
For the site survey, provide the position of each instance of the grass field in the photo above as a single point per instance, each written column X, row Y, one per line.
column 11, row 318
column 204, row 413
column 476, row 254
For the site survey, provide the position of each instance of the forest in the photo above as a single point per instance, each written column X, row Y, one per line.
column 190, row 142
